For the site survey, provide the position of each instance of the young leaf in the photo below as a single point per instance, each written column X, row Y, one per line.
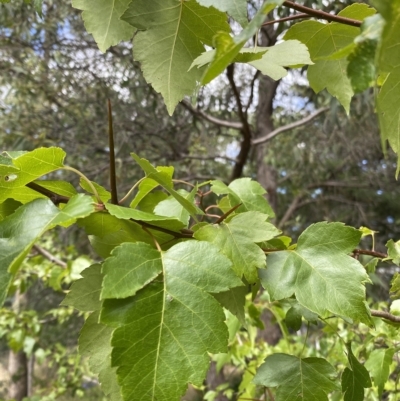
column 129, row 269
column 234, row 300
column 237, row 240
column 285, row 54
column 8, row 207
column 393, row 251
column 247, row 192
column 227, row 48
column 102, row 20
column 355, row 379
column 320, row 273
column 378, row 364
column 166, row 182
column 307, row 379
column 237, row 9
column 84, row 293
column 395, row 286
column 20, row 230
column 27, row 167
column 104, row 195
column 95, row 344
column 171, row 37
column 166, row 330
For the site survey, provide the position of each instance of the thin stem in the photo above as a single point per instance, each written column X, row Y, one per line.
column 113, row 175
column 225, row 215
column 153, row 238
column 130, row 191
column 183, row 234
column 305, row 340
column 385, row 315
column 55, row 198
column 49, row 256
column 290, row 18
column 322, row 14
column 370, row 253
column 184, row 182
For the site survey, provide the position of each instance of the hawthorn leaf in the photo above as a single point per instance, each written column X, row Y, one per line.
column 378, row 364
column 165, row 180
column 321, row 274
column 130, row 267
column 307, row 379
column 227, row 48
column 165, row 332
column 95, row 344
column 63, row 188
column 172, row 208
column 172, row 34
column 104, row 195
column 148, row 184
column 354, row 379
column 27, row 167
column 8, row 207
column 393, row 251
column 285, row 54
column 237, row 9
column 102, row 19
column 245, row 191
column 395, row 287
column 127, row 213
column 234, row 300
column 237, row 239
column 84, row 293
column 20, row 230
column 388, row 109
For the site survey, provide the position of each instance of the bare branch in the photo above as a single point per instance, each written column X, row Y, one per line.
column 385, row 315
column 370, row 253
column 322, row 14
column 290, row 18
column 49, row 256
column 290, row 126
column 211, row 119
column 290, row 210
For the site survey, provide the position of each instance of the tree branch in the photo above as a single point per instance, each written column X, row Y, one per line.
column 322, row 14
column 55, row 198
column 290, row 18
column 370, row 253
column 385, row 315
column 49, row 256
column 290, row 126
column 211, row 119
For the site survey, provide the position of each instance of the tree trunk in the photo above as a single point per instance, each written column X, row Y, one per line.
column 18, row 362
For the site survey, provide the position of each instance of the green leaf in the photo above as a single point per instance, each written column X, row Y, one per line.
column 63, row 188
column 28, row 167
column 84, row 293
column 393, row 251
column 166, row 182
column 102, row 20
column 285, row 54
column 160, row 221
column 95, row 344
column 237, row 240
column 395, row 287
column 237, row 9
column 388, row 109
column 234, row 300
column 8, row 207
column 104, row 195
column 378, row 364
column 129, row 269
column 20, row 230
column 227, row 48
column 173, row 35
column 172, row 208
column 307, row 379
column 148, row 184
column 164, row 332
column 320, row 273
column 354, row 379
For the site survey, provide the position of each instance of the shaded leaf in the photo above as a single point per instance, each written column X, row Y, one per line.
column 307, row 379
column 8, row 207
column 234, row 300
column 237, row 9
column 378, row 364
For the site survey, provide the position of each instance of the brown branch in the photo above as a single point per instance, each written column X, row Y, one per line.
column 370, row 253
column 290, row 210
column 245, row 145
column 113, row 175
column 290, row 18
column 211, row 119
column 49, row 256
column 290, row 126
column 225, row 215
column 55, row 198
column 184, row 234
column 385, row 315
column 322, row 14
